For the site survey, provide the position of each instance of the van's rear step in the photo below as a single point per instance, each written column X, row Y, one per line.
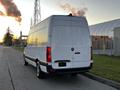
column 68, row 70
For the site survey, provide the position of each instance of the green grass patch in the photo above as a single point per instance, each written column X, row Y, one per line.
column 21, row 49
column 106, row 67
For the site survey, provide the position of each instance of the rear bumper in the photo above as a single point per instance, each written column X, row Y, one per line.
column 61, row 71
column 68, row 70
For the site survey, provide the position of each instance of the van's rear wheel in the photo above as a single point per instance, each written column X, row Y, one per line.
column 74, row 74
column 25, row 62
column 39, row 73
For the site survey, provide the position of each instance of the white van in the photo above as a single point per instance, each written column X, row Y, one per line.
column 60, row 44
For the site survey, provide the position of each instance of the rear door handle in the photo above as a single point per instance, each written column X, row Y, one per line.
column 72, row 49
column 77, row 52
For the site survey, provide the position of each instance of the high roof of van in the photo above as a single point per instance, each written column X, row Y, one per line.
column 66, row 17
column 63, row 20
column 68, row 20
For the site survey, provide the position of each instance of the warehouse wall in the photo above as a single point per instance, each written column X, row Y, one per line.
column 101, row 42
column 116, row 42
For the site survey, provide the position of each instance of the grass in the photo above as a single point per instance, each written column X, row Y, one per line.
column 21, row 49
column 106, row 67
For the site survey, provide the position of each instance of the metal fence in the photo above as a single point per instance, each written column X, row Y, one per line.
column 102, row 45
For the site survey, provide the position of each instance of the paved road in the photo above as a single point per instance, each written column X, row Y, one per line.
column 15, row 76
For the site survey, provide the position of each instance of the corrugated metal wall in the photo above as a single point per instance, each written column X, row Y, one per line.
column 116, row 42
column 104, row 39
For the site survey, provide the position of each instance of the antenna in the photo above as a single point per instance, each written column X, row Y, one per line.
column 37, row 12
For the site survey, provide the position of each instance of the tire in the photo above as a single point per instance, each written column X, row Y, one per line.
column 39, row 73
column 74, row 74
column 25, row 62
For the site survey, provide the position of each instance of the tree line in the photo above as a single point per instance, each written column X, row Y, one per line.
column 9, row 39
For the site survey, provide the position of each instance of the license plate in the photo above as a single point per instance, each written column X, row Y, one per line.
column 62, row 64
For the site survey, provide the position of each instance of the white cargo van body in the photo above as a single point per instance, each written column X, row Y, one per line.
column 62, row 44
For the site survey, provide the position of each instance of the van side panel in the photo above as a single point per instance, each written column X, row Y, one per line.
column 38, row 40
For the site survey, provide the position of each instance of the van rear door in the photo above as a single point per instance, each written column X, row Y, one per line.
column 61, row 46
column 81, row 45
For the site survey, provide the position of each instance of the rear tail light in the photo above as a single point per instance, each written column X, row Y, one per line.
column 48, row 54
column 91, row 54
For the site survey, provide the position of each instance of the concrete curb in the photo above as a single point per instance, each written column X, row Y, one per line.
column 103, row 80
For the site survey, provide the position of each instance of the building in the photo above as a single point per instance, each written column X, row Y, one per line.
column 101, row 42
column 116, row 42
column 104, row 37
column 105, row 28
column 23, row 39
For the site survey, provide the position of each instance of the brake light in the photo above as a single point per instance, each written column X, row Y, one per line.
column 91, row 54
column 48, row 54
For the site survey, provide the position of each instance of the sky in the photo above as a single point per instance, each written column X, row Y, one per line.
column 97, row 11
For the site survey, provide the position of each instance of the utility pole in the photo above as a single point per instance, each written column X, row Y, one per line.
column 37, row 12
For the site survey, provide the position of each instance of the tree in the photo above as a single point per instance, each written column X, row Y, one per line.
column 8, row 37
